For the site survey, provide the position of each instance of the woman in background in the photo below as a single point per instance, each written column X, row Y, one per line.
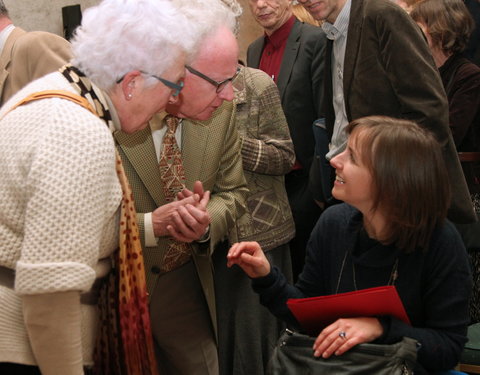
column 391, row 230
column 448, row 25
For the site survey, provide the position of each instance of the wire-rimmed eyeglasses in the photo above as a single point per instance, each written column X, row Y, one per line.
column 219, row 85
column 172, row 85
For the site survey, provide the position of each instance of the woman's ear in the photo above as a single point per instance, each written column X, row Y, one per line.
column 130, row 83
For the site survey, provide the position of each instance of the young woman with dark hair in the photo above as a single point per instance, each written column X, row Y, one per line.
column 391, row 229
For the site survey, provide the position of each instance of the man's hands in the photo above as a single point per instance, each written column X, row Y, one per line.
column 186, row 219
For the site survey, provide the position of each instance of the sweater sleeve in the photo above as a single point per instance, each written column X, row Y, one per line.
column 266, row 144
column 53, row 324
column 445, row 290
column 72, row 191
column 274, row 289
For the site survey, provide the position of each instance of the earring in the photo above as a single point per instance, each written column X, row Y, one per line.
column 129, row 96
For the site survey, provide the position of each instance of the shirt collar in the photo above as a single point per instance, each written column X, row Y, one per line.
column 340, row 27
column 157, row 121
column 4, row 34
column 279, row 36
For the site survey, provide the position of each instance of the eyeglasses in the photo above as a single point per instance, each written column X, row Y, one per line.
column 219, row 85
column 172, row 85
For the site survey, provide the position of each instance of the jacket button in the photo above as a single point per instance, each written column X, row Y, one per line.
column 155, row 270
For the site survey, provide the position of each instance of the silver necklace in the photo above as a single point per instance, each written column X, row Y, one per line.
column 391, row 281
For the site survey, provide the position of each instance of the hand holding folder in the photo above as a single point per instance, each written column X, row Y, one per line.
column 316, row 313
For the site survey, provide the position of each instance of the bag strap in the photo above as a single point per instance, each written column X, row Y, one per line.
column 63, row 94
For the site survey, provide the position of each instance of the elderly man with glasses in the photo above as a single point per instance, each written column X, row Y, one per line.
column 178, row 240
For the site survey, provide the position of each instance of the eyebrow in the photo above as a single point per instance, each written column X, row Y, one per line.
column 350, row 149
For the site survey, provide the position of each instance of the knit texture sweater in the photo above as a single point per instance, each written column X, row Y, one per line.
column 59, row 196
column 434, row 286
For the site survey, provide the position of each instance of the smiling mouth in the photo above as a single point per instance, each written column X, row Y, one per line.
column 339, row 180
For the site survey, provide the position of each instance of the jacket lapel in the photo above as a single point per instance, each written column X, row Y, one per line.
column 351, row 51
column 140, row 152
column 254, row 52
column 194, row 141
column 6, row 55
column 289, row 57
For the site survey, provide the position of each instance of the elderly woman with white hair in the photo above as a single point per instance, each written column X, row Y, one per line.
column 65, row 205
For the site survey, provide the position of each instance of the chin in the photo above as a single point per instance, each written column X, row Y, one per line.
column 336, row 195
column 205, row 115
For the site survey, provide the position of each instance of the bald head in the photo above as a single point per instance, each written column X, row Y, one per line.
column 217, row 60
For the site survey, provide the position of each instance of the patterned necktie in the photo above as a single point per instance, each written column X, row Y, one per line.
column 171, row 168
column 173, row 181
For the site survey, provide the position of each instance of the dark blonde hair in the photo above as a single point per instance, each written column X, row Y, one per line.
column 409, row 176
column 448, row 22
column 303, row 15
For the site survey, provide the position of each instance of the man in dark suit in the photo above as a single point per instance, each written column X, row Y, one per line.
column 380, row 64
column 292, row 53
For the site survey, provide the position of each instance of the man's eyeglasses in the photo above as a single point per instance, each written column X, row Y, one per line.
column 172, row 85
column 219, row 85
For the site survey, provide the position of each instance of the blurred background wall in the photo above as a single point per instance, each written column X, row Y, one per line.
column 46, row 15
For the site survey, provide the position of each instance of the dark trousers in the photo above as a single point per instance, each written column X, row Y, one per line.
column 305, row 215
column 7, row 368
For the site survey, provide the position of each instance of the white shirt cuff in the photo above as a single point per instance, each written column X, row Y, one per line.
column 150, row 239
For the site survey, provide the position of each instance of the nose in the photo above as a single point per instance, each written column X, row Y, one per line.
column 336, row 161
column 227, row 92
column 172, row 99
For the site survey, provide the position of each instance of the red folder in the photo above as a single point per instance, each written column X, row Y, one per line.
column 316, row 313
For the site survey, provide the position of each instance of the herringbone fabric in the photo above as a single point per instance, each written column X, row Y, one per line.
column 173, row 180
column 210, row 154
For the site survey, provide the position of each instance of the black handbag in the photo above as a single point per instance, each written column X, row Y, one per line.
column 294, row 355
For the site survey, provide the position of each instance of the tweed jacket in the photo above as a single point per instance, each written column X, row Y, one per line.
column 211, row 154
column 27, row 56
column 267, row 154
column 389, row 71
column 300, row 83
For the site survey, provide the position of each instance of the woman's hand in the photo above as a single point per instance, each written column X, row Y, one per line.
column 250, row 257
column 344, row 334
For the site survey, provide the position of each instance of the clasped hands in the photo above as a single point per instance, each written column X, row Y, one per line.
column 336, row 338
column 185, row 219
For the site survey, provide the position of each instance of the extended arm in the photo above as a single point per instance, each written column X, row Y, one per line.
column 266, row 144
